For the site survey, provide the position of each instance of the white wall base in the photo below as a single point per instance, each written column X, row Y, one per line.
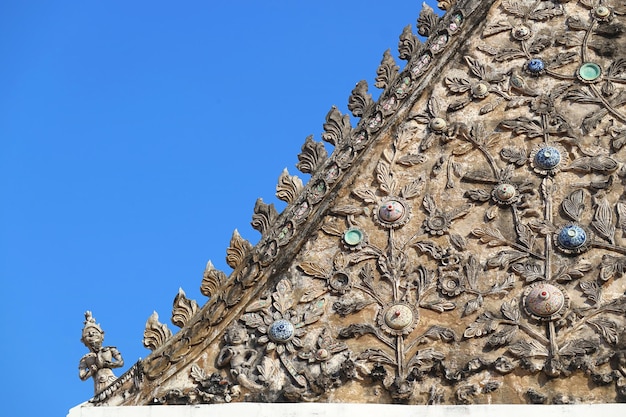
column 351, row 410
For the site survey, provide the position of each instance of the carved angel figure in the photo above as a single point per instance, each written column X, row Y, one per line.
column 101, row 359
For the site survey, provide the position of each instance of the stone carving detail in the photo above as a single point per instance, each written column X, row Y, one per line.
column 289, row 187
column 100, row 360
column 155, row 333
column 239, row 248
column 312, row 157
column 212, row 280
column 183, row 310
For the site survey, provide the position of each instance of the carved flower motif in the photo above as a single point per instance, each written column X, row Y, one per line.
column 437, row 127
column 487, row 81
column 450, row 283
column 438, row 222
column 324, row 350
column 280, row 323
column 548, row 158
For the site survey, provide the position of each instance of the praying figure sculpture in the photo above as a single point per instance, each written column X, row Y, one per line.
column 100, row 360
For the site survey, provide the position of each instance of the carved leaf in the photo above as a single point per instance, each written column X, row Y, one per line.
column 444, row 334
column 612, row 267
column 472, row 306
column 458, row 241
column 312, row 156
column 155, row 333
column 283, row 296
column 492, row 237
column 289, row 187
column 458, row 85
column 621, row 215
column 541, row 42
column 545, row 13
column 578, row 347
column 408, row 44
column 530, row 271
column 439, row 306
column 268, row 370
column 348, row 305
column 484, row 324
column 184, row 309
column 425, row 359
column 427, row 21
column 411, row 160
column 478, row 195
column 237, row 251
column 525, row 349
column 360, row 100
column 337, row 128
column 413, row 189
column 593, row 119
column 432, row 248
column 608, row 329
column 502, row 337
column 500, row 26
column 311, row 293
column 581, row 95
column 385, row 178
column 365, row 194
column 198, row 374
column 377, row 355
column 357, row 330
column 515, row 8
column 525, row 235
column 603, row 219
column 524, row 126
column 575, row 272
column 510, row 310
column 314, row 269
column 506, row 54
column 387, row 72
column 264, row 216
column 212, row 280
column 591, row 290
column 599, row 164
column 314, row 311
column 252, row 320
column 406, row 134
column 574, row 204
column 503, row 258
column 504, row 286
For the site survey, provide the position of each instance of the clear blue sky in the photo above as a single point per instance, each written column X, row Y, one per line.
column 135, row 137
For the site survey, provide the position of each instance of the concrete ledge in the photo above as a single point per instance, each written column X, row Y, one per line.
column 351, row 410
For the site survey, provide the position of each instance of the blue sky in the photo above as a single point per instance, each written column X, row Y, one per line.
column 135, row 137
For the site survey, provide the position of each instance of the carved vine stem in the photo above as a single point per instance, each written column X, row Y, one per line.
column 608, row 105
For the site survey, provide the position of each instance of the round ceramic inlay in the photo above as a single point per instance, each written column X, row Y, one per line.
column 398, row 317
column 589, row 71
column 281, row 330
column 545, row 299
column 353, row 236
column 322, row 354
column 438, row 124
column 548, row 157
column 602, row 12
column 480, row 90
column 504, row 192
column 535, row 66
column 572, row 236
column 520, row 32
column 391, row 211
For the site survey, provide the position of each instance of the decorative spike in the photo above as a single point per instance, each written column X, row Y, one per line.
column 337, row 128
column 312, row 156
column 155, row 334
column 387, row 72
column 237, row 251
column 264, row 216
column 288, row 187
column 212, row 280
column 408, row 44
column 445, row 4
column 360, row 100
column 184, row 309
column 427, row 21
